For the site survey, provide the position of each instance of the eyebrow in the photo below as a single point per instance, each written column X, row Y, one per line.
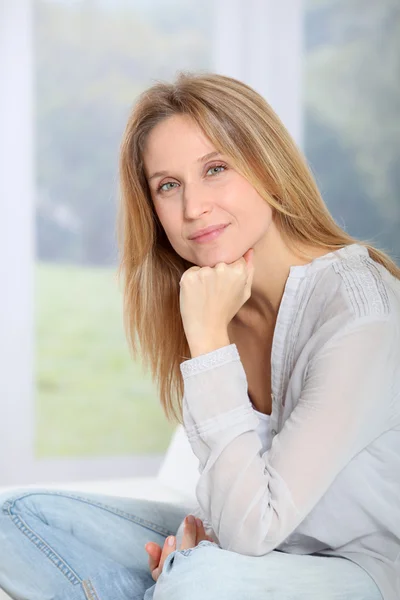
column 199, row 160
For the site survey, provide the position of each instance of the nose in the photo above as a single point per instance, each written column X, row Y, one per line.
column 196, row 201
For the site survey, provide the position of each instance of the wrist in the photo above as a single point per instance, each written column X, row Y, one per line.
column 208, row 343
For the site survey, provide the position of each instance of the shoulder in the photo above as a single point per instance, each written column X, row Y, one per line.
column 368, row 288
column 357, row 287
column 353, row 292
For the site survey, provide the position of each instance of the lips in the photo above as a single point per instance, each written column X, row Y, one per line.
column 206, row 230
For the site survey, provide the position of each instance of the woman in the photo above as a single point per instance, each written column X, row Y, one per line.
column 275, row 340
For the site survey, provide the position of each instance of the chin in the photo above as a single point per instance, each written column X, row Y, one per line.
column 224, row 256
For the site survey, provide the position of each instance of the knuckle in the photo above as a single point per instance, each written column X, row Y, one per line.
column 239, row 267
column 189, row 274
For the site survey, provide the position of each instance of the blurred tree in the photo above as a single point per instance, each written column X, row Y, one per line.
column 352, row 83
column 345, row 195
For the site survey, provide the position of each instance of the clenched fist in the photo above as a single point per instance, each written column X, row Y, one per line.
column 211, row 296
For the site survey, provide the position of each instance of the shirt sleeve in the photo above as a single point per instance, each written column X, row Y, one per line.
column 254, row 501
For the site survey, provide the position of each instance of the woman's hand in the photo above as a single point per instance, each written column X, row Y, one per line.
column 192, row 535
column 211, row 296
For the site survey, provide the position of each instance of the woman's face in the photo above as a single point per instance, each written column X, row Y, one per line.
column 192, row 191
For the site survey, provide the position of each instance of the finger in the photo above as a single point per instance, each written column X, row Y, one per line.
column 155, row 574
column 154, row 552
column 195, row 268
column 248, row 257
column 167, row 549
column 189, row 533
column 201, row 532
column 245, row 261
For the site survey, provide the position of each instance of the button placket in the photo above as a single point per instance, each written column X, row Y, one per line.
column 273, row 431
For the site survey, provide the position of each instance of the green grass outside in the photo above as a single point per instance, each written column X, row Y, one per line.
column 91, row 398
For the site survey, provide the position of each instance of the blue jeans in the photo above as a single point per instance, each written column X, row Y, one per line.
column 57, row 545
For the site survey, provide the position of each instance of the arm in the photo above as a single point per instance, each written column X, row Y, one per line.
column 254, row 502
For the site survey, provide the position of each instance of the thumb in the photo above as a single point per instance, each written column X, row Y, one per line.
column 248, row 257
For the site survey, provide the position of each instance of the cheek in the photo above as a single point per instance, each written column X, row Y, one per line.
column 172, row 226
column 254, row 215
column 164, row 217
column 261, row 213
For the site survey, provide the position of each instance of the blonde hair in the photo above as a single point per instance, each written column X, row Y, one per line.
column 242, row 125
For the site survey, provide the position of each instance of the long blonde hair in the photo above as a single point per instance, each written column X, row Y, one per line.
column 242, row 125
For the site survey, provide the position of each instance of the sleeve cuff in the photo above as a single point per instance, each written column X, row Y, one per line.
column 208, row 361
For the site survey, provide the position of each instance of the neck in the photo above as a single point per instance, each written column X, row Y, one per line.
column 272, row 261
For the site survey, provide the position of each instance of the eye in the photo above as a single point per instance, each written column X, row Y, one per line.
column 217, row 167
column 160, row 188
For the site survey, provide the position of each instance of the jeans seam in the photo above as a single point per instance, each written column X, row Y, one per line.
column 53, row 556
column 41, row 545
column 89, row 590
column 143, row 522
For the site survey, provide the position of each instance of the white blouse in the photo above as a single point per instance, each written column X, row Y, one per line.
column 263, row 430
column 321, row 474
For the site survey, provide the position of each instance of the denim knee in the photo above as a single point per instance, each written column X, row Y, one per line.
column 9, row 497
column 17, row 498
column 193, row 573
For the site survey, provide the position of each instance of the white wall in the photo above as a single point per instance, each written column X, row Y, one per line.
column 16, row 237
